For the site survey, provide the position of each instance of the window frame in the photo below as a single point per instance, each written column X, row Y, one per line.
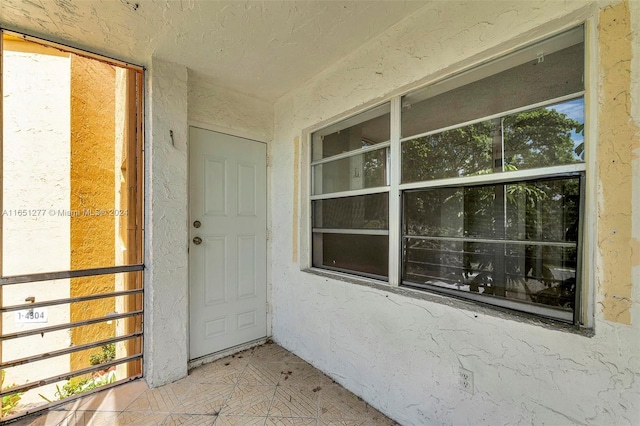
column 584, row 298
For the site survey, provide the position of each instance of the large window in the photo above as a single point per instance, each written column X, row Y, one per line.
column 350, row 178
column 488, row 187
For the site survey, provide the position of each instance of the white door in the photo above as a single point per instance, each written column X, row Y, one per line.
column 227, row 232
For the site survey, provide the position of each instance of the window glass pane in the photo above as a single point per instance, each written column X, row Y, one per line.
column 361, row 212
column 458, row 152
column 366, row 254
column 452, row 239
column 361, row 171
column 71, row 153
column 544, row 137
column 545, row 210
column 461, row 99
column 366, row 129
column 528, row 273
column 451, row 212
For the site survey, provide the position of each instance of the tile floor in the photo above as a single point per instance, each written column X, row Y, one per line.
column 266, row 385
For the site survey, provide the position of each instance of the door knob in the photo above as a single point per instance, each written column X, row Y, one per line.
column 197, row 241
column 197, row 224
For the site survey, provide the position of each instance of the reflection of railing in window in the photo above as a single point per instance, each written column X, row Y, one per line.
column 436, row 261
column 514, row 240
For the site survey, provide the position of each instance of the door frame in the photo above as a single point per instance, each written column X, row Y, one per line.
column 192, row 363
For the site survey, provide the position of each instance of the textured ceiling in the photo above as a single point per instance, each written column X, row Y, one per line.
column 263, row 48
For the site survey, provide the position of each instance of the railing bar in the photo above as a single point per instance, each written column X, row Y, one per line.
column 68, row 325
column 70, row 300
column 47, row 381
column 21, row 279
column 485, row 240
column 73, row 349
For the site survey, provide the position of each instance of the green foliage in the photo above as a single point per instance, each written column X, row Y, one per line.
column 539, row 138
column 10, row 401
column 108, row 354
column 78, row 385
column 532, row 139
column 462, row 151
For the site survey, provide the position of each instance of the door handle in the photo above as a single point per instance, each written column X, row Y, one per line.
column 197, row 241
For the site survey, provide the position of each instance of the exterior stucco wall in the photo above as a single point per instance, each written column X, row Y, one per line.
column 165, row 304
column 92, row 187
column 401, row 353
column 228, row 111
column 31, row 129
column 174, row 100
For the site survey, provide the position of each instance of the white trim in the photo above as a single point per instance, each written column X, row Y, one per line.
column 530, row 107
column 351, row 231
column 395, row 221
column 352, row 193
column 590, row 213
column 353, row 153
column 518, row 175
column 306, row 220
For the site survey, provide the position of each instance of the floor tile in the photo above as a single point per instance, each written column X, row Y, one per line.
column 223, row 371
column 163, row 399
column 376, row 418
column 338, row 403
column 47, row 418
column 269, row 352
column 239, row 421
column 249, row 400
column 204, row 399
column 114, row 399
column 140, row 419
column 298, row 374
column 294, row 402
column 290, row 421
column 260, row 374
column 188, row 420
column 93, row 418
column 266, row 385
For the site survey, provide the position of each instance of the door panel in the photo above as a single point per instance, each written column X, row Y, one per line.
column 228, row 268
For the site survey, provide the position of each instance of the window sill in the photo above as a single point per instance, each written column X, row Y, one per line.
column 455, row 302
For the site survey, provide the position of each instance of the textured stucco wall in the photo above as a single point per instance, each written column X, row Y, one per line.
column 165, row 303
column 35, row 155
column 618, row 147
column 92, row 188
column 228, row 111
column 402, row 354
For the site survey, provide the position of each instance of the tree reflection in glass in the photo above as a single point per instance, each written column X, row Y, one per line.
column 516, row 240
